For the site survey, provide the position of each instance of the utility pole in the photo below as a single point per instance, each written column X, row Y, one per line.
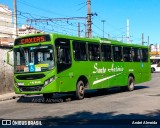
column 142, row 39
column 108, row 36
column 127, row 32
column 85, row 27
column 122, row 38
column 15, row 18
column 89, row 22
column 103, row 26
column 148, row 40
column 79, row 32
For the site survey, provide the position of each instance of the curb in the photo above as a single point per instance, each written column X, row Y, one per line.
column 10, row 98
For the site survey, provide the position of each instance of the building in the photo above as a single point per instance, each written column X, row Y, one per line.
column 155, row 50
column 25, row 30
column 6, row 26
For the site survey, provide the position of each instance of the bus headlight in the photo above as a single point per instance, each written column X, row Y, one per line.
column 19, row 84
column 49, row 80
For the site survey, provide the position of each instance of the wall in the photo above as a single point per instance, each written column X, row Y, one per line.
column 6, row 72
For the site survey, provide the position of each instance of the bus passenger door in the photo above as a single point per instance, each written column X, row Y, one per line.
column 64, row 65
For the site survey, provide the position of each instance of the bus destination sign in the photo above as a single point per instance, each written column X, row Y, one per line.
column 32, row 39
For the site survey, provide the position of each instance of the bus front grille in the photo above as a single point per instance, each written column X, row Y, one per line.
column 30, row 77
column 30, row 88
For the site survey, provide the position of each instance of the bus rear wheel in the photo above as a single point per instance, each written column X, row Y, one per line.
column 80, row 90
column 130, row 86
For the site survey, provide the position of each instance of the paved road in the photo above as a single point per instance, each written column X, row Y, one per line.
column 142, row 103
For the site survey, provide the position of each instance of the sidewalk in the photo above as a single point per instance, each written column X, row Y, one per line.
column 9, row 96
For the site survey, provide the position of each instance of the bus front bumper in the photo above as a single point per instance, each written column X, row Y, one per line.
column 37, row 89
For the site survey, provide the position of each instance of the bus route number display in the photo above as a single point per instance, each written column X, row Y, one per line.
column 32, row 39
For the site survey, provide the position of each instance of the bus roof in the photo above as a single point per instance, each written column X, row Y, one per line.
column 95, row 39
column 100, row 40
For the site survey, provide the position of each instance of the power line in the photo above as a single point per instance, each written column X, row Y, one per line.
column 55, row 19
column 81, row 7
column 26, row 15
column 89, row 14
column 80, row 4
column 38, row 8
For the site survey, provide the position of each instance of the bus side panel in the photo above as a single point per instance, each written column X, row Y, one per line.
column 66, row 80
column 132, row 69
column 97, row 73
column 109, row 80
column 118, row 69
column 137, row 72
column 89, row 69
column 80, row 69
column 146, row 72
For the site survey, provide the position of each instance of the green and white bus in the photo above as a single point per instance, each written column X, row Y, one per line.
column 55, row 63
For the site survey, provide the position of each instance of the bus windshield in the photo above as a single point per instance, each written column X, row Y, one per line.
column 33, row 59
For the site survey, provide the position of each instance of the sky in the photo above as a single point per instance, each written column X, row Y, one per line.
column 143, row 16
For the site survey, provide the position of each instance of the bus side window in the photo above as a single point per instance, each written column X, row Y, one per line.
column 79, row 49
column 91, row 57
column 145, row 55
column 136, row 54
column 94, row 52
column 127, row 55
column 117, row 53
column 106, row 52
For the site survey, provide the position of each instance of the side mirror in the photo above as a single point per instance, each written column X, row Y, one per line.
column 8, row 57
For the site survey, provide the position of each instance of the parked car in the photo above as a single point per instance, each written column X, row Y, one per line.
column 155, row 64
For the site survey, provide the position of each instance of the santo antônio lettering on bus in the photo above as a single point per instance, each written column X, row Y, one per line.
column 99, row 70
column 32, row 39
column 103, row 70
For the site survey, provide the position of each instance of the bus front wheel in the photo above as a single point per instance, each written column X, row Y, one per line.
column 80, row 90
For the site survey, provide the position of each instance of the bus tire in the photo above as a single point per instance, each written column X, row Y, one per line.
column 80, row 90
column 131, row 82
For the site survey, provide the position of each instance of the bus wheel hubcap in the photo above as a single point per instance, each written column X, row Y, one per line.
column 131, row 85
column 81, row 90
